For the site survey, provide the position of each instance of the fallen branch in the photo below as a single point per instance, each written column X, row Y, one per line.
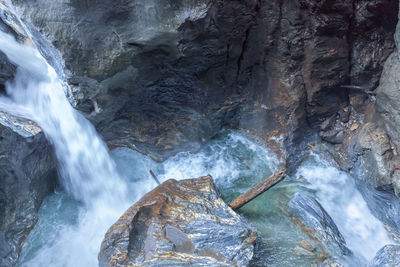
column 258, row 189
column 154, row 177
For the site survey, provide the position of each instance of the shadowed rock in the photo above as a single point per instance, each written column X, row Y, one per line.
column 160, row 85
column 179, row 223
column 27, row 174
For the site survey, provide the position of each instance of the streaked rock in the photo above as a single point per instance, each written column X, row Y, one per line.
column 179, row 223
column 317, row 223
column 388, row 256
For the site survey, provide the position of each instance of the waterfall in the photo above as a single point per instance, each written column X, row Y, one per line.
column 86, row 169
column 337, row 192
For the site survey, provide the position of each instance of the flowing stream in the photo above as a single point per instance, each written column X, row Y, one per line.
column 96, row 191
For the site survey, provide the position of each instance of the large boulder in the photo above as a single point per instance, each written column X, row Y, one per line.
column 317, row 223
column 180, row 223
column 27, row 174
column 388, row 256
column 161, row 76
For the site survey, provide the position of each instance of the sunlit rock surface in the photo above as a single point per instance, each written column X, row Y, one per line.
column 179, row 223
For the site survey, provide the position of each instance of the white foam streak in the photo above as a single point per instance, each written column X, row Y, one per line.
column 86, row 169
column 337, row 193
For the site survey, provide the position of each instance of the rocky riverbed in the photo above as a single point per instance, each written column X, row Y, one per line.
column 163, row 77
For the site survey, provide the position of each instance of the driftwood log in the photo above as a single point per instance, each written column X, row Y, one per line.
column 154, row 177
column 258, row 189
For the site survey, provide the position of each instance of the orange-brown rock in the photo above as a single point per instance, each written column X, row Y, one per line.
column 179, row 223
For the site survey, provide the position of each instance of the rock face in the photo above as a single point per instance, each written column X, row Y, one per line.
column 179, row 223
column 157, row 80
column 317, row 223
column 388, row 256
column 27, row 175
column 373, row 154
column 388, row 93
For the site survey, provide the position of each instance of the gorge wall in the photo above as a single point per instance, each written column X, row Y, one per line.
column 163, row 83
column 162, row 76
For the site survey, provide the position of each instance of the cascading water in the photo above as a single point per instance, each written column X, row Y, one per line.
column 336, row 191
column 87, row 171
column 73, row 222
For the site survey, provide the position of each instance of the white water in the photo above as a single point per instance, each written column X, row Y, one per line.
column 337, row 193
column 89, row 175
column 86, row 169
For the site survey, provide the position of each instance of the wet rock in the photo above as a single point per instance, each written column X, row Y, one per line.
column 328, row 123
column 177, row 224
column 333, row 136
column 307, row 245
column 274, row 68
column 7, row 72
column 388, row 256
column 384, row 204
column 331, row 263
column 302, row 252
column 27, row 174
column 317, row 223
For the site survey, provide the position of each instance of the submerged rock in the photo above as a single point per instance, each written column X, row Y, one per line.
column 179, row 223
column 331, row 263
column 27, row 174
column 388, row 256
column 317, row 223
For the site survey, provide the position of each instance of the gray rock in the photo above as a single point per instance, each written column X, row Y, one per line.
column 388, row 94
column 372, row 155
column 180, row 223
column 388, row 256
column 27, row 174
column 159, row 84
column 317, row 223
column 331, row 263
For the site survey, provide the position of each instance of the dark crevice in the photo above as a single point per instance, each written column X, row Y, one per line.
column 350, row 39
column 256, row 7
column 227, row 55
column 241, row 57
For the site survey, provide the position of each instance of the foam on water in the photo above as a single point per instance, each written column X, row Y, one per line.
column 72, row 224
